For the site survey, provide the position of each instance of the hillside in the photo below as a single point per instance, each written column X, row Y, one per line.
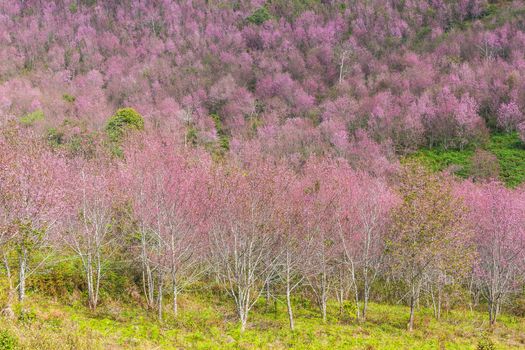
column 368, row 83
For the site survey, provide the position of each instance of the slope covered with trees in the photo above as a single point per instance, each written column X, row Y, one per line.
column 332, row 157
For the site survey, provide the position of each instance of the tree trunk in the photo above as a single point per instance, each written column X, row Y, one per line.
column 97, row 281
column 159, row 299
column 289, row 306
column 340, row 301
column 268, row 296
column 289, row 291
column 322, row 296
column 412, row 307
column 365, row 306
column 434, row 301
column 342, row 65
column 357, row 307
column 438, row 315
column 244, row 318
column 7, row 310
column 93, row 281
column 493, row 312
column 323, row 309
column 340, row 295
column 243, row 298
column 148, row 284
column 22, row 273
column 356, row 292
column 366, row 293
column 89, row 277
column 175, row 297
column 322, row 302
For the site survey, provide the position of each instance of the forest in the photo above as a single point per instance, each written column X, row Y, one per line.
column 251, row 174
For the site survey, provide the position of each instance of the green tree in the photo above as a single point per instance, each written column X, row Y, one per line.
column 124, row 120
column 429, row 231
column 259, row 16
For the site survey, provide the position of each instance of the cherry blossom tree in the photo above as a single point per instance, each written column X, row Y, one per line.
column 453, row 121
column 365, row 206
column 509, row 116
column 293, row 242
column 90, row 234
column 485, row 166
column 497, row 215
column 169, row 201
column 521, row 131
column 323, row 253
column 241, row 236
column 31, row 199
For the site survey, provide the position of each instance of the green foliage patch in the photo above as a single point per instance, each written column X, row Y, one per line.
column 259, row 16
column 508, row 149
column 7, row 341
column 223, row 142
column 510, row 152
column 33, row 117
column 68, row 98
column 124, row 120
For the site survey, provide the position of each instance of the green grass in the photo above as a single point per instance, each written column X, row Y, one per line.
column 510, row 152
column 508, row 149
column 203, row 325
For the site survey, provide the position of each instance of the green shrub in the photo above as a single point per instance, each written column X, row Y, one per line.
column 60, row 281
column 223, row 144
column 68, row 98
column 74, row 138
column 26, row 316
column 259, row 16
column 423, row 33
column 485, row 343
column 518, row 306
column 55, row 137
column 191, row 136
column 73, row 7
column 7, row 341
column 33, row 117
column 439, row 159
column 123, row 120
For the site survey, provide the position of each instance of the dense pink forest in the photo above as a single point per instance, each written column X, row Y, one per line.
column 264, row 147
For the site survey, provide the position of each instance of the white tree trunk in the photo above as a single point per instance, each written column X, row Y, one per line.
column 7, row 311
column 289, row 306
column 22, row 273
column 159, row 299
column 175, row 296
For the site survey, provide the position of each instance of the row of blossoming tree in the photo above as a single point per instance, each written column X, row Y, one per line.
column 256, row 227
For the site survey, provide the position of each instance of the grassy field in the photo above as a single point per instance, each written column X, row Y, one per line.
column 50, row 324
column 507, row 148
